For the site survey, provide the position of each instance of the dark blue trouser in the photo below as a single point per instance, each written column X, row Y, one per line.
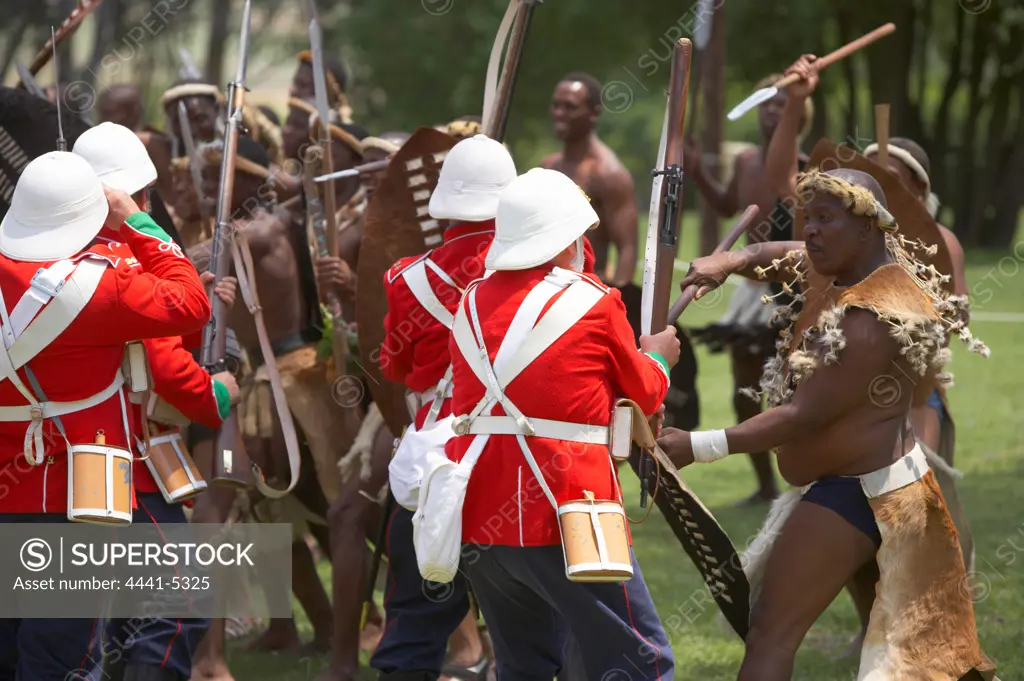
column 46, row 649
column 525, row 597
column 420, row 616
column 155, row 642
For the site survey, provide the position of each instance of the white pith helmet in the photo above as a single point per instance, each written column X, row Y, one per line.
column 474, row 173
column 540, row 214
column 118, row 156
column 58, row 207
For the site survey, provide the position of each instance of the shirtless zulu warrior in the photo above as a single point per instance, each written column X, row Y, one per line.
column 874, row 321
column 745, row 329
column 575, row 108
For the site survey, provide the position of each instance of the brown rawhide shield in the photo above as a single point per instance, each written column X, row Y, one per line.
column 704, row 541
column 910, row 213
column 397, row 226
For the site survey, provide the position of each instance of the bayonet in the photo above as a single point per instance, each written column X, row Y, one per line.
column 194, row 162
column 62, row 144
column 324, row 137
column 188, row 69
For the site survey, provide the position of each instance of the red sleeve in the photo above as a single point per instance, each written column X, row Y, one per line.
column 396, row 350
column 179, row 379
column 635, row 375
column 165, row 299
column 192, row 341
column 588, row 257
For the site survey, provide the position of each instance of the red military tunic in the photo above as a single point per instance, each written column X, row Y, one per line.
column 177, row 378
column 577, row 380
column 165, row 298
column 415, row 349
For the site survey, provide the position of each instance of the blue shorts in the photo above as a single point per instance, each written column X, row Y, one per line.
column 844, row 496
column 935, row 402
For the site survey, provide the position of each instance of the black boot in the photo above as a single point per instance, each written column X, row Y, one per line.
column 145, row 672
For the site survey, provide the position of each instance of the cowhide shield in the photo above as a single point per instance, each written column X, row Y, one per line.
column 704, row 541
column 910, row 213
column 28, row 129
column 397, row 226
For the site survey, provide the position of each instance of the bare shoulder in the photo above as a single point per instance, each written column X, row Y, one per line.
column 199, row 254
column 867, row 333
column 551, row 161
column 608, row 169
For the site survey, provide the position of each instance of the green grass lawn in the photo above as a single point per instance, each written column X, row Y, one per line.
column 987, row 404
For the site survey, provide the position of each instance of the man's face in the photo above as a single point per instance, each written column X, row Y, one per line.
column 370, row 181
column 302, row 82
column 833, row 236
column 572, row 115
column 769, row 113
column 202, row 115
column 295, row 132
column 906, row 175
column 344, row 158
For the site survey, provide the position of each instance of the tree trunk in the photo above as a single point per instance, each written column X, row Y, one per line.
column 845, row 33
column 942, row 182
column 64, row 56
column 964, row 206
column 108, row 20
column 713, row 115
column 219, row 27
column 1009, row 200
column 889, row 61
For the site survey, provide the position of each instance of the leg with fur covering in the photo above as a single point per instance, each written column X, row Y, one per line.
column 815, row 554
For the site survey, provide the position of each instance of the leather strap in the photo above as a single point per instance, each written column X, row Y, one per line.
column 555, row 430
column 415, row 277
column 46, row 284
column 905, row 471
column 491, row 84
column 245, row 271
column 62, row 309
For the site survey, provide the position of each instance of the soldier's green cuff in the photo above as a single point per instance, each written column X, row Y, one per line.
column 220, row 391
column 143, row 223
column 662, row 362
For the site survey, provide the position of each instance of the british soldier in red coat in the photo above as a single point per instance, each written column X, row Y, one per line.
column 72, row 368
column 541, row 438
column 163, row 648
column 423, row 292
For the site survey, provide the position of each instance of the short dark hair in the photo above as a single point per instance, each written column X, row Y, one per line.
column 252, row 150
column 592, row 84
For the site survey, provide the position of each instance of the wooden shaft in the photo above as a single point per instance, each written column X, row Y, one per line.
column 509, row 71
column 882, row 133
column 842, row 52
column 738, row 229
column 330, row 208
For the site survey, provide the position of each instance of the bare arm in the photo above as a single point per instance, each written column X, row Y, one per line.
column 620, row 219
column 783, row 150
column 723, row 200
column 956, row 256
column 711, row 271
column 831, row 392
column 827, row 395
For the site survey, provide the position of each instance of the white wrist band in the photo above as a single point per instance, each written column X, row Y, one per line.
column 709, row 445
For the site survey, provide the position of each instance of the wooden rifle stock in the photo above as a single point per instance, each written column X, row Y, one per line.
column 672, row 188
column 507, row 83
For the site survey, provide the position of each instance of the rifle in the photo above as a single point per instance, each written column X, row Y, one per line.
column 231, row 465
column 663, row 222
column 498, row 91
column 67, row 27
column 324, row 214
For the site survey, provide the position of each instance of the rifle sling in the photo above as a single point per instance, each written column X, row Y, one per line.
column 245, row 270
